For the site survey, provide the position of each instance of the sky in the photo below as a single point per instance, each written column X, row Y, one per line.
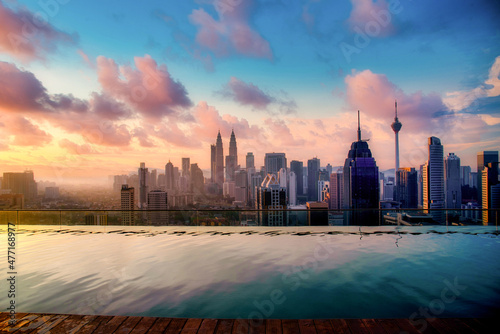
column 92, row 88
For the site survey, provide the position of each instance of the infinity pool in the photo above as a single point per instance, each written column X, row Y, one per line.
column 252, row 272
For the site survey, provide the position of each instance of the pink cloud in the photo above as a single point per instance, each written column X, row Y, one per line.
column 74, row 148
column 372, row 18
column 281, row 133
column 26, row 37
column 26, row 133
column 248, row 94
column 231, row 33
column 20, row 90
column 374, row 95
column 148, row 87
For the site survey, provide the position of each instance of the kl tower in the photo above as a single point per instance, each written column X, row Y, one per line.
column 396, row 126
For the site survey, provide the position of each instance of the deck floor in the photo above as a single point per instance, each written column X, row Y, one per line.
column 92, row 324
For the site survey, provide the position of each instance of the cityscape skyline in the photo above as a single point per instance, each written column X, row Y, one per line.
column 102, row 87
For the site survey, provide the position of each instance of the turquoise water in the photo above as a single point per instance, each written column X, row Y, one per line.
column 258, row 272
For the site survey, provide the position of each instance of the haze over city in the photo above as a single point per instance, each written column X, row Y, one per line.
column 90, row 89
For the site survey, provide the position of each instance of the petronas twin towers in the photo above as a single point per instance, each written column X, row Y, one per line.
column 217, row 161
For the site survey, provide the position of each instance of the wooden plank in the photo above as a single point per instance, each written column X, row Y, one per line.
column 69, row 325
column 144, row 325
column 48, row 324
column 306, row 326
column 356, row 326
column 406, row 326
column 93, row 324
column 19, row 316
column 273, row 326
column 373, row 327
column 207, row 326
column 257, row 327
column 474, row 324
column 223, row 326
column 290, row 326
column 240, row 326
column 323, row 326
column 340, row 326
column 160, row 325
column 442, row 327
column 389, row 325
column 128, row 325
column 175, row 325
column 22, row 322
column 110, row 326
column 191, row 326
column 458, row 326
column 487, row 323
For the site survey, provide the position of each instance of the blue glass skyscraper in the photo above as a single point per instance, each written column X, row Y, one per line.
column 361, row 186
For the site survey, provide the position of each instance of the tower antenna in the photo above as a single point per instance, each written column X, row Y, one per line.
column 359, row 128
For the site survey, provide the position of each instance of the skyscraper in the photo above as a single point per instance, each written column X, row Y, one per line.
column 312, row 179
column 143, row 186
column 453, row 194
column 433, row 180
column 219, row 162
column 336, row 189
column 292, row 189
column 489, row 184
column 197, row 179
column 169, row 176
column 127, row 205
column 464, row 175
column 273, row 162
column 213, row 164
column 271, row 197
column 232, row 158
column 157, row 208
column 21, row 183
column 297, row 167
column 407, row 187
column 396, row 126
column 250, row 160
column 361, row 184
column 483, row 159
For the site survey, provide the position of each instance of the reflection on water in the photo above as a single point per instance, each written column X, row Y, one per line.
column 248, row 272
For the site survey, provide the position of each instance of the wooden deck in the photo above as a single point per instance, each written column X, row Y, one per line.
column 91, row 324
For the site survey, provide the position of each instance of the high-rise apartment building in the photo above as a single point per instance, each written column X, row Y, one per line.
column 297, row 167
column 143, row 186
column 483, row 159
column 336, row 189
column 21, row 183
column 312, row 179
column 433, row 181
column 407, row 187
column 271, row 198
column 273, row 162
column 157, row 207
column 250, row 160
column 169, row 176
column 127, row 205
column 361, row 184
column 453, row 184
column 489, row 187
column 465, row 175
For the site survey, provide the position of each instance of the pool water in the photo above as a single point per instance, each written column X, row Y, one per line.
column 258, row 272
